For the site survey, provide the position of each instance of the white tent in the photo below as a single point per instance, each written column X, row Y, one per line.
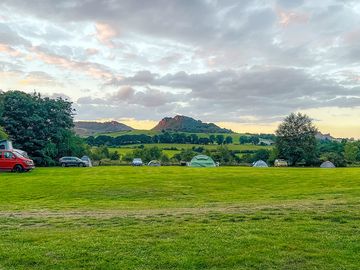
column 260, row 163
column 327, row 164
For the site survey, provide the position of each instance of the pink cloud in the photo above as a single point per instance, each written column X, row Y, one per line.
column 105, row 33
column 92, row 51
column 93, row 69
column 288, row 17
column 9, row 50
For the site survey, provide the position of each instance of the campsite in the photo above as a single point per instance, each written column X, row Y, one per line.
column 179, row 135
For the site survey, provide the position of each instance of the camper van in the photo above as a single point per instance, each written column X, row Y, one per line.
column 14, row 159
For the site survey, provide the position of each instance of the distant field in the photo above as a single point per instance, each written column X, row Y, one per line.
column 235, row 136
column 170, row 153
column 180, row 218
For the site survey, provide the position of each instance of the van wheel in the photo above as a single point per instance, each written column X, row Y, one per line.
column 18, row 169
column 63, row 165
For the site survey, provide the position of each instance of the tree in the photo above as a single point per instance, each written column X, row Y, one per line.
column 212, row 138
column 262, row 154
column 219, row 139
column 115, row 155
column 351, row 151
column 223, row 155
column 228, row 140
column 40, row 126
column 243, row 139
column 185, row 155
column 296, row 139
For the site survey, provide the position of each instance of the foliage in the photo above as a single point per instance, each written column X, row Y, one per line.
column 262, row 154
column 40, row 126
column 148, row 154
column 115, row 155
column 185, row 155
column 352, row 151
column 3, row 135
column 336, row 158
column 296, row 139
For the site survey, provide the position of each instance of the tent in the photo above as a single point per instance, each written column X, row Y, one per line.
column 327, row 164
column 260, row 163
column 202, row 161
column 154, row 163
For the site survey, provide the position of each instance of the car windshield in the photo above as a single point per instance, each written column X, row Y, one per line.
column 18, row 155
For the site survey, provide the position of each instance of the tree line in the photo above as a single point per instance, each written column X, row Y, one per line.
column 165, row 137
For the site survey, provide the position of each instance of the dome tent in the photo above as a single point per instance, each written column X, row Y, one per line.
column 327, row 164
column 202, row 161
column 154, row 163
column 260, row 163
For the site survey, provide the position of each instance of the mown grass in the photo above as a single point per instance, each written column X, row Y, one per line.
column 180, row 218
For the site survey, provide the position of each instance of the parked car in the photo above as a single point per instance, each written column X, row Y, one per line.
column 13, row 161
column 137, row 162
column 280, row 163
column 72, row 161
column 87, row 160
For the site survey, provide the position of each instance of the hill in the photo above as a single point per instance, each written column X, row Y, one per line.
column 187, row 124
column 89, row 128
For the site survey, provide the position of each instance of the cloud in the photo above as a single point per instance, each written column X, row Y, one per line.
column 269, row 93
column 9, row 37
column 242, row 61
column 105, row 33
column 92, row 69
column 38, row 78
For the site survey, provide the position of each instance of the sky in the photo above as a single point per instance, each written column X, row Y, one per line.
column 244, row 65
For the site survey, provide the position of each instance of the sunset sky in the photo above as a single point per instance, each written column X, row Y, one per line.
column 241, row 64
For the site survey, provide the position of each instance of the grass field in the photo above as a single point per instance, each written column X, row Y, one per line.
column 170, row 153
column 180, row 218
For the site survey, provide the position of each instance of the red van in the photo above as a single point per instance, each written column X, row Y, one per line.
column 13, row 161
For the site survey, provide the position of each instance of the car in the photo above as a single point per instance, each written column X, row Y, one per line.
column 72, row 161
column 280, row 163
column 137, row 162
column 13, row 161
column 87, row 160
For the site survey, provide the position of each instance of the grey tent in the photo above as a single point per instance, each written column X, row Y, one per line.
column 327, row 164
column 202, row 161
column 260, row 163
column 154, row 163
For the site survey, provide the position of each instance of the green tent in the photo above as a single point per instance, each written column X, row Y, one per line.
column 202, row 161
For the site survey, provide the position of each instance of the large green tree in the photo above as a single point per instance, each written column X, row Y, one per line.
column 39, row 125
column 296, row 139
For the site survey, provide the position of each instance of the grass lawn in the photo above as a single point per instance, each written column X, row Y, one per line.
column 180, row 218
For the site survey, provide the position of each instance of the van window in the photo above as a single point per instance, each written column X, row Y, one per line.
column 8, row 155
